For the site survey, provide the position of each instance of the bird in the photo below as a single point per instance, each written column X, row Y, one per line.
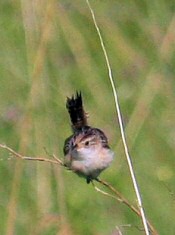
column 86, row 151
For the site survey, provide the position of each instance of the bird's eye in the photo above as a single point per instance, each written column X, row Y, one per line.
column 86, row 143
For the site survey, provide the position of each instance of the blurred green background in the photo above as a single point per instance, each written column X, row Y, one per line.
column 48, row 50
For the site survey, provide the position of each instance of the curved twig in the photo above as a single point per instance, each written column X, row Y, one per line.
column 117, row 195
column 122, row 199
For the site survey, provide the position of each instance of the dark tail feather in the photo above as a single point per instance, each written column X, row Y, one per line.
column 77, row 114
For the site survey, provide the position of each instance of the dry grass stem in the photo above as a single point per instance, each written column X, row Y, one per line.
column 129, row 161
column 123, row 200
column 117, row 195
column 18, row 155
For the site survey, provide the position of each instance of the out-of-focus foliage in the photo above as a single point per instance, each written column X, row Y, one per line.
column 50, row 49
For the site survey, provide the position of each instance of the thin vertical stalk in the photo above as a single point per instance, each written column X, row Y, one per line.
column 129, row 161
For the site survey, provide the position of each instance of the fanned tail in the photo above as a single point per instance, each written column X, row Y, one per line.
column 77, row 114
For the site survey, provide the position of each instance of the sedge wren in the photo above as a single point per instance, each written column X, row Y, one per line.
column 86, row 151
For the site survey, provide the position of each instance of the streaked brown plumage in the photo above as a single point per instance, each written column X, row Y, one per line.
column 86, row 151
